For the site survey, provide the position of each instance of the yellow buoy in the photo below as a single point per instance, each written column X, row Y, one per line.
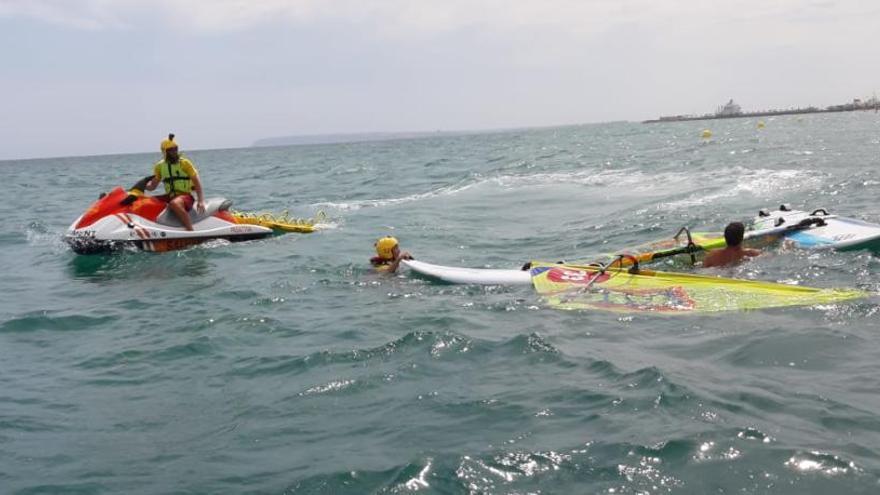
column 706, row 134
column 761, row 124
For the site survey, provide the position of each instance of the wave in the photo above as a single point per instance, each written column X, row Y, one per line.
column 761, row 182
column 413, row 345
column 375, row 203
column 43, row 320
column 690, row 464
column 430, row 342
column 617, row 177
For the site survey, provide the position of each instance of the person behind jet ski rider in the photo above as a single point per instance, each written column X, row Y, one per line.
column 388, row 255
column 734, row 252
column 180, row 178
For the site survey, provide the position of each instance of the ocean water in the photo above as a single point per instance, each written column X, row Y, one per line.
column 286, row 365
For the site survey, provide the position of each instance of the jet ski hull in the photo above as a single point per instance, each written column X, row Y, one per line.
column 110, row 225
column 86, row 245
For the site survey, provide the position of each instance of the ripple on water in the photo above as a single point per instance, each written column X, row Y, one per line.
column 46, row 320
column 821, row 462
column 431, row 344
column 161, row 353
column 287, row 366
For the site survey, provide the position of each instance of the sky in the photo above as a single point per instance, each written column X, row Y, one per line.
column 85, row 77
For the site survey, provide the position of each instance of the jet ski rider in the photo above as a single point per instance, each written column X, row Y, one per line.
column 388, row 255
column 180, row 178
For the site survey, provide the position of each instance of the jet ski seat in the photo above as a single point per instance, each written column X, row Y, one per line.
column 212, row 205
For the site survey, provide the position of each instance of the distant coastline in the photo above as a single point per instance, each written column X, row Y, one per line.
column 733, row 111
column 364, row 137
column 352, row 138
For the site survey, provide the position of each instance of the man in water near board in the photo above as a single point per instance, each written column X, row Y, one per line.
column 180, row 178
column 734, row 252
column 388, row 255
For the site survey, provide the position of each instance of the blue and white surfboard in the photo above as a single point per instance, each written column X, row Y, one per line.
column 839, row 233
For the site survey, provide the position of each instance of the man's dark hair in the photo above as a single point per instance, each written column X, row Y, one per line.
column 733, row 234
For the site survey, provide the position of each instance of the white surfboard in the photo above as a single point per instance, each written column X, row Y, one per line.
column 840, row 233
column 481, row 276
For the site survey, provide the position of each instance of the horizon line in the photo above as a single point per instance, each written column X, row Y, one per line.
column 400, row 135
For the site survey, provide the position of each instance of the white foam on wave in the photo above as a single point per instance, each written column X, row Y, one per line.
column 375, row 203
column 326, row 225
column 38, row 234
column 38, row 238
column 213, row 244
column 618, row 177
column 761, row 182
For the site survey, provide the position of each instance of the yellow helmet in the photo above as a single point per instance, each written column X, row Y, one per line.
column 168, row 143
column 385, row 246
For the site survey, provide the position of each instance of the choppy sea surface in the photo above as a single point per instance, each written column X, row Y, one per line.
column 286, row 365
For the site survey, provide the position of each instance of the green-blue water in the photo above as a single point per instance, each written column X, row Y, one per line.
column 286, row 366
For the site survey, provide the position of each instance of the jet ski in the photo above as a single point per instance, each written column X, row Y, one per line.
column 129, row 219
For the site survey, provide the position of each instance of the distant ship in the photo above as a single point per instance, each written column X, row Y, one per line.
column 732, row 110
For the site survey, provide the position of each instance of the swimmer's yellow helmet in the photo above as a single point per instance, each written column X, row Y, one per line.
column 167, row 143
column 385, row 246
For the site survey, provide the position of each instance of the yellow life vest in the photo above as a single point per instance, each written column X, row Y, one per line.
column 176, row 181
column 381, row 264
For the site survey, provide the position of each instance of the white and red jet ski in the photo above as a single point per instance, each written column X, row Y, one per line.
column 120, row 219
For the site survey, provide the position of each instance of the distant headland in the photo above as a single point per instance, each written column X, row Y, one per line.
column 352, row 137
column 732, row 111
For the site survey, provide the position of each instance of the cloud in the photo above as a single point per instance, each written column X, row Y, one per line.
column 388, row 15
column 536, row 32
column 425, row 17
column 86, row 14
column 265, row 67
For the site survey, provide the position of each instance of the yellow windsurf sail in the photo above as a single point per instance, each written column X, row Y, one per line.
column 616, row 289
